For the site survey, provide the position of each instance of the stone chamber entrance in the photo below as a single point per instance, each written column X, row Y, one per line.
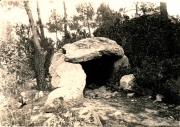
column 99, row 71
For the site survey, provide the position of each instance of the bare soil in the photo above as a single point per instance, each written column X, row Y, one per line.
column 118, row 111
column 121, row 111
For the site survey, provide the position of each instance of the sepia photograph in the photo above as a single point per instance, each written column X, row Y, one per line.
column 90, row 63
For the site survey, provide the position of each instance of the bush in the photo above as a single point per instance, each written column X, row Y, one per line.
column 171, row 91
column 152, row 45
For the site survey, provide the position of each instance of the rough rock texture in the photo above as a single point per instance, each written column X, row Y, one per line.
column 94, row 58
column 70, row 79
column 69, row 94
column 123, row 62
column 55, row 62
column 127, row 81
column 91, row 48
column 99, row 93
column 65, row 74
column 76, row 117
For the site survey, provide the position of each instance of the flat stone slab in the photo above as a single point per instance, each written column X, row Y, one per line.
column 91, row 48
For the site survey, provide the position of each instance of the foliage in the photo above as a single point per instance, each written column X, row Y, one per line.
column 147, row 7
column 84, row 19
column 55, row 22
column 13, row 56
column 85, row 14
column 104, row 15
column 106, row 18
column 151, row 44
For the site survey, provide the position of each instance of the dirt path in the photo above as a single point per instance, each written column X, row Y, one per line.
column 121, row 111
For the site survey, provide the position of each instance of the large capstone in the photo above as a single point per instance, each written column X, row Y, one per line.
column 91, row 48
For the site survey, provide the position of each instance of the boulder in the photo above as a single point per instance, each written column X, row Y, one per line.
column 28, row 96
column 91, row 48
column 123, row 62
column 65, row 74
column 68, row 78
column 127, row 81
column 56, row 60
column 69, row 94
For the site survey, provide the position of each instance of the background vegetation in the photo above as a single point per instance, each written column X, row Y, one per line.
column 151, row 43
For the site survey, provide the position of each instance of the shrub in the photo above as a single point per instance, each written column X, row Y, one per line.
column 171, row 91
column 152, row 45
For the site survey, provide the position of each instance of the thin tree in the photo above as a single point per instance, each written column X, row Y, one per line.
column 163, row 10
column 65, row 20
column 55, row 23
column 86, row 13
column 40, row 22
column 39, row 56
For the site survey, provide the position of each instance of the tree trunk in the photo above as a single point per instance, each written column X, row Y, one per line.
column 65, row 20
column 88, row 24
column 56, row 30
column 136, row 14
column 89, row 28
column 163, row 10
column 39, row 56
column 40, row 22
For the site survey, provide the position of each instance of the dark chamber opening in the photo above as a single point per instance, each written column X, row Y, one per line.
column 99, row 70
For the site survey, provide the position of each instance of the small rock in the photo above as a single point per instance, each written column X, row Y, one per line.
column 35, row 107
column 41, row 94
column 177, row 107
column 19, row 105
column 130, row 94
column 34, row 81
column 149, row 97
column 2, row 97
column 171, row 117
column 22, row 100
column 102, row 89
column 96, row 92
column 38, row 95
column 133, row 100
column 88, row 93
column 127, row 81
column 159, row 97
column 116, row 115
column 23, row 94
column 171, row 106
column 104, row 118
column 107, row 97
column 115, row 93
column 92, row 95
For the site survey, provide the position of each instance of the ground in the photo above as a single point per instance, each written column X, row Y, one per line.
column 141, row 112
column 118, row 111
